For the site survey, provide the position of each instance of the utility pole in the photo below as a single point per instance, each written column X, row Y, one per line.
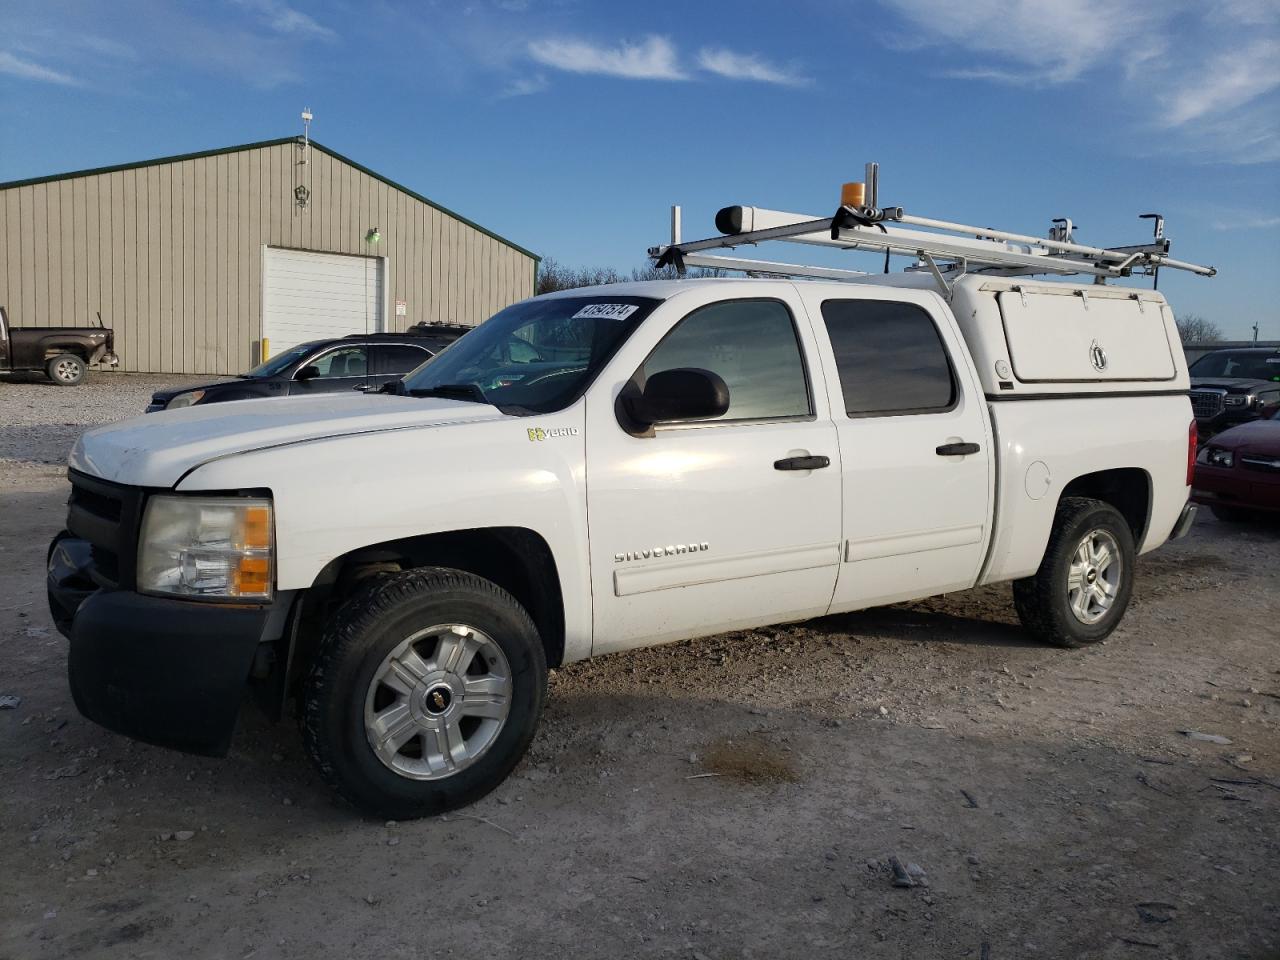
column 1255, row 333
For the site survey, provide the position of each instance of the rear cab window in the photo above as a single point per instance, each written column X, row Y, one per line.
column 890, row 358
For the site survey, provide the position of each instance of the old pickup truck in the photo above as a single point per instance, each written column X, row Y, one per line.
column 63, row 353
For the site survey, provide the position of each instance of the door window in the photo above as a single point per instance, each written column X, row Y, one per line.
column 395, row 359
column 890, row 358
column 752, row 345
column 345, row 362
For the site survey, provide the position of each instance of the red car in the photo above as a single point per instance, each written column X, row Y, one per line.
column 1238, row 471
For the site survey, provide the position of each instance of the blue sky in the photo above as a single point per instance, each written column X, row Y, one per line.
column 571, row 126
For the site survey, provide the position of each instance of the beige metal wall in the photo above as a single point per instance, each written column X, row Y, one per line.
column 172, row 253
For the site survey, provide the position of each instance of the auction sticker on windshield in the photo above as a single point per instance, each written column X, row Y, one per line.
column 606, row 311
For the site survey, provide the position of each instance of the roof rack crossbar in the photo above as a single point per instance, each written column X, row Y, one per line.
column 772, row 268
column 981, row 248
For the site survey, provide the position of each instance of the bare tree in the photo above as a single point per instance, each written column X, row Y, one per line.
column 554, row 275
column 1193, row 328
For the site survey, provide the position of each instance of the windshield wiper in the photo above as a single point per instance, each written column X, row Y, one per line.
column 452, row 391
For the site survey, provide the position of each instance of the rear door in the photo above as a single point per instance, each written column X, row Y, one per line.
column 391, row 361
column 704, row 526
column 914, row 442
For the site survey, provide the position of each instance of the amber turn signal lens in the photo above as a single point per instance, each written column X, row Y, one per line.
column 252, row 577
column 257, row 528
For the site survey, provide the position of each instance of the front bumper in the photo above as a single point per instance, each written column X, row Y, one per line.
column 168, row 672
column 1236, row 486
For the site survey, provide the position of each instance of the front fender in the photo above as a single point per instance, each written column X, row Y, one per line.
column 336, row 495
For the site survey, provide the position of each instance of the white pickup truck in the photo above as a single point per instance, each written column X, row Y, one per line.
column 608, row 468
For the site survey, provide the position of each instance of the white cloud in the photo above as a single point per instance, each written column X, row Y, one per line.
column 1198, row 79
column 653, row 58
column 284, row 19
column 526, row 86
column 746, row 66
column 1226, row 80
column 26, row 70
column 1247, row 222
column 1050, row 43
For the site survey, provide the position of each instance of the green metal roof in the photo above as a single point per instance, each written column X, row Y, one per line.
column 257, row 146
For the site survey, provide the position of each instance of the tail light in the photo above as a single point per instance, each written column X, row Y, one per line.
column 1192, row 438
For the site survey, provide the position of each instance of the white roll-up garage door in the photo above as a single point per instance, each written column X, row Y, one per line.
column 307, row 296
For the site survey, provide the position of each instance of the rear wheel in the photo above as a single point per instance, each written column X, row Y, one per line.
column 1083, row 586
column 66, row 370
column 425, row 693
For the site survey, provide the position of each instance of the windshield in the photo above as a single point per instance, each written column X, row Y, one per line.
column 539, row 355
column 1238, row 364
column 281, row 361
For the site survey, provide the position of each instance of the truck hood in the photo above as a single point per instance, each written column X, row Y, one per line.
column 1258, row 436
column 1230, row 384
column 156, row 450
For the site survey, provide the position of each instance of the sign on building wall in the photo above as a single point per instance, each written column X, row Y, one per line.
column 402, row 308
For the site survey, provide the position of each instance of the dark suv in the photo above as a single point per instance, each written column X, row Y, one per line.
column 1233, row 386
column 361, row 361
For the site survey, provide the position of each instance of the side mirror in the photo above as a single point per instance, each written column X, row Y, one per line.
column 392, row 386
column 685, row 393
column 309, row 372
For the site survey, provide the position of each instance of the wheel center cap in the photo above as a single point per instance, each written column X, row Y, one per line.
column 1091, row 576
column 438, row 699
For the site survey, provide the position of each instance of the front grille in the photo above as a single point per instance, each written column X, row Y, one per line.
column 1267, row 464
column 106, row 515
column 1206, row 403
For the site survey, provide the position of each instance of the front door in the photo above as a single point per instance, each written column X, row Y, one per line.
column 707, row 526
column 338, row 370
column 914, row 443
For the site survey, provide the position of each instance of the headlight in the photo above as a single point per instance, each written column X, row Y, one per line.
column 1217, row 457
column 215, row 548
column 185, row 399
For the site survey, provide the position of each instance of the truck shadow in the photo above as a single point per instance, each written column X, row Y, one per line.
column 911, row 623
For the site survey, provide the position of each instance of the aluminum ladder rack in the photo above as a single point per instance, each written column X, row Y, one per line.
column 962, row 248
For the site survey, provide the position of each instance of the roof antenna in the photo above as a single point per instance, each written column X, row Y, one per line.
column 306, row 133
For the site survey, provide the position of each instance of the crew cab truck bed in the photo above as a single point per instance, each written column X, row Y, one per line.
column 63, row 354
column 606, row 468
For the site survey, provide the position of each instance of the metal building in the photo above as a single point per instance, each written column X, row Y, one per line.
column 194, row 260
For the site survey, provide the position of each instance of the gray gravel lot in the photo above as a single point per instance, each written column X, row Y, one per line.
column 738, row 796
column 40, row 421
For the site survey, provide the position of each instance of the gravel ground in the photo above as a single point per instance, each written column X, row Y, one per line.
column 738, row 796
column 40, row 421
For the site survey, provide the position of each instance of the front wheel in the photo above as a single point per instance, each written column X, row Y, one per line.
column 425, row 693
column 66, row 370
column 1083, row 586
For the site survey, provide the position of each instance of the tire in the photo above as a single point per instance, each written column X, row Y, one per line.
column 402, row 629
column 1048, row 605
column 66, row 370
column 1232, row 514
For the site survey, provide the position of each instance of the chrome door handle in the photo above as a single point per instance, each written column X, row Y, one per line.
column 363, row 387
column 802, row 463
